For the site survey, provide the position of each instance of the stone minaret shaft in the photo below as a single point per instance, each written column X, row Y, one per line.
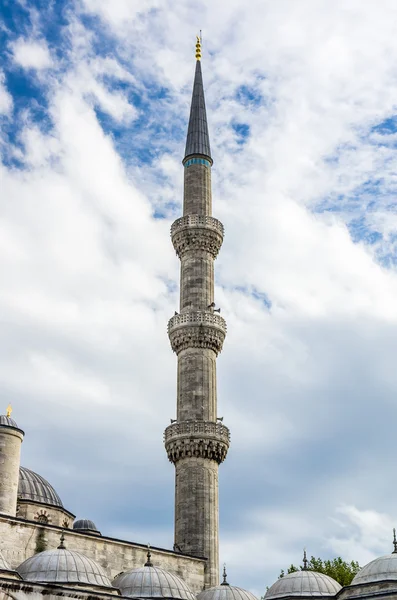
column 197, row 442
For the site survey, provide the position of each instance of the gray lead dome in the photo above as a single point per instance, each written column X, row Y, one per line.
column 64, row 566
column 152, row 582
column 225, row 592
column 86, row 526
column 37, row 489
column 383, row 568
column 305, row 584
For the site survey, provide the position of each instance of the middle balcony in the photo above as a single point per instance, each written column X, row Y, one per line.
column 195, row 233
column 197, row 329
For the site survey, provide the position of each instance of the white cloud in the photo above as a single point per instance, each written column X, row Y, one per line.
column 32, row 54
column 6, row 101
column 306, row 386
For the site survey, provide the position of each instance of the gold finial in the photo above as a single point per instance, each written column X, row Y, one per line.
column 9, row 410
column 198, row 47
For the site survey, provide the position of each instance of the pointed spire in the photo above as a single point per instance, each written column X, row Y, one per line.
column 9, row 410
column 148, row 562
column 224, row 582
column 198, row 141
column 305, row 561
column 394, row 542
column 62, row 545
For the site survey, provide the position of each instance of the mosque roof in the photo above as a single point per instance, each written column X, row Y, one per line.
column 37, row 489
column 307, row 584
column 86, row 526
column 225, row 592
column 63, row 566
column 198, row 140
column 381, row 569
column 152, row 582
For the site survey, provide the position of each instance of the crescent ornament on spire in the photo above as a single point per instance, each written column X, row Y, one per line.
column 198, row 47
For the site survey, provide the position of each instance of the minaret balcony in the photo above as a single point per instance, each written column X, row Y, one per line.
column 197, row 233
column 197, row 329
column 201, row 439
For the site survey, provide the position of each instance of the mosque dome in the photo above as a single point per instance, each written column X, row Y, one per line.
column 85, row 526
column 152, row 582
column 225, row 592
column 64, row 566
column 304, row 584
column 381, row 569
column 37, row 489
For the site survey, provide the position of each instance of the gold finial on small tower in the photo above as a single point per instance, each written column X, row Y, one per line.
column 198, row 47
column 9, row 410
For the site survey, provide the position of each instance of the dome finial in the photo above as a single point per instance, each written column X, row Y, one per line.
column 304, row 560
column 224, row 582
column 62, row 545
column 9, row 410
column 394, row 541
column 198, row 46
column 148, row 562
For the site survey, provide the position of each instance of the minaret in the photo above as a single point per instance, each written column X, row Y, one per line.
column 197, row 442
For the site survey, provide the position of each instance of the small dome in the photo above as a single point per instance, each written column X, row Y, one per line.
column 86, row 526
column 225, row 592
column 303, row 583
column 37, row 489
column 7, row 422
column 63, row 566
column 152, row 582
column 381, row 569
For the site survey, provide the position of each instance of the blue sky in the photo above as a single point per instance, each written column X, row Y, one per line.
column 301, row 100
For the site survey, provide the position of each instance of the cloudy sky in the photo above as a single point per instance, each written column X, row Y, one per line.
column 302, row 108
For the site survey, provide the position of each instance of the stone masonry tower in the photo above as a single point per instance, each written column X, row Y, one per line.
column 197, row 442
column 11, row 438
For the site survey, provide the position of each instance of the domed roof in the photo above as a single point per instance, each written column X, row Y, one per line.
column 225, row 592
column 152, row 582
column 303, row 583
column 63, row 566
column 34, row 487
column 86, row 526
column 380, row 569
column 7, row 421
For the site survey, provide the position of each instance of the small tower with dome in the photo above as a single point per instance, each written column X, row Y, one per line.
column 11, row 438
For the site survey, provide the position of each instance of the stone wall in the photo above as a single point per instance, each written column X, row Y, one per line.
column 21, row 539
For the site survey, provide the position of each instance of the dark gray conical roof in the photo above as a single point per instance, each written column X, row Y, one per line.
column 198, row 141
